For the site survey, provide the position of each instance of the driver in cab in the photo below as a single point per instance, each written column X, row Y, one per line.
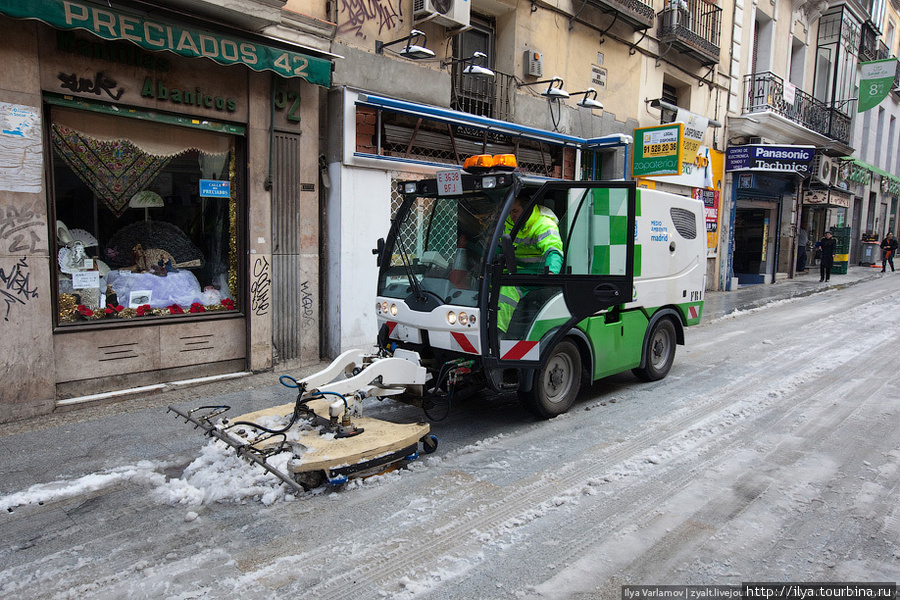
column 538, row 245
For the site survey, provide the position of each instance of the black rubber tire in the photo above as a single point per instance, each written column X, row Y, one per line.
column 556, row 385
column 659, row 354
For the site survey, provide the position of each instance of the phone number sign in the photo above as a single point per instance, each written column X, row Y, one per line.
column 658, row 150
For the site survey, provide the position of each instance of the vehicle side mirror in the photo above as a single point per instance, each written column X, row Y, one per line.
column 509, row 253
column 378, row 251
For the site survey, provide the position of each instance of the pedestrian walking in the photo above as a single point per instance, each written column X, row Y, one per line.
column 888, row 249
column 829, row 249
column 802, row 241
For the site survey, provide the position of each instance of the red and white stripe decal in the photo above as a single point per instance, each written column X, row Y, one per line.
column 519, row 350
column 462, row 342
column 391, row 326
column 692, row 310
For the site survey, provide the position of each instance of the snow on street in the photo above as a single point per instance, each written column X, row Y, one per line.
column 770, row 453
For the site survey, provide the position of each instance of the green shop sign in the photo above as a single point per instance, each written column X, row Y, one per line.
column 155, row 34
column 658, row 150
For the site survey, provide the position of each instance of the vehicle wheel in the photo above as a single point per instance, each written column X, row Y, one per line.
column 556, row 385
column 659, row 353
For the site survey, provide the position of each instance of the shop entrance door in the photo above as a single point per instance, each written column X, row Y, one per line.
column 752, row 229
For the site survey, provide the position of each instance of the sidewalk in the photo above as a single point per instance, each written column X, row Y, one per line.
column 719, row 304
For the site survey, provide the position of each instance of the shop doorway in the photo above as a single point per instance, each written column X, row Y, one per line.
column 752, row 252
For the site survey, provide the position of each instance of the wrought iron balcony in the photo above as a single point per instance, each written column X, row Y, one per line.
column 481, row 96
column 692, row 27
column 764, row 92
column 636, row 13
column 868, row 42
column 896, row 87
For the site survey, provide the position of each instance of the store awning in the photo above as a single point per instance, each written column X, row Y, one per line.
column 455, row 117
column 158, row 34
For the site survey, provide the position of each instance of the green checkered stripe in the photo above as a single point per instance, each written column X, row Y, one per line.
column 610, row 232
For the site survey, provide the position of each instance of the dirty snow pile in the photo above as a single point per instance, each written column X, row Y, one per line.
column 42, row 493
column 219, row 475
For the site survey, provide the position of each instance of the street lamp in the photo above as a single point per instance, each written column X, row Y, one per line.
column 590, row 99
column 411, row 51
column 471, row 68
column 553, row 93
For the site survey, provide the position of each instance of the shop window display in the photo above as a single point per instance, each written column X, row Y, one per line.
column 146, row 218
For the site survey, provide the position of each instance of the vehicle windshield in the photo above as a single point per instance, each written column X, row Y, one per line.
column 442, row 242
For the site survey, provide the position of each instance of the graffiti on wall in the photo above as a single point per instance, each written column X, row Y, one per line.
column 307, row 304
column 15, row 286
column 98, row 85
column 259, row 289
column 18, row 228
column 356, row 14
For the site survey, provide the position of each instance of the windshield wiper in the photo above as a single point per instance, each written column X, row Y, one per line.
column 407, row 266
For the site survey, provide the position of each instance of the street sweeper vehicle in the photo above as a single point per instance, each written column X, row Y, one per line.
column 489, row 278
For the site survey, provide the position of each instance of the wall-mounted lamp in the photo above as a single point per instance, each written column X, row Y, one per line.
column 589, row 100
column 471, row 68
column 553, row 93
column 413, row 51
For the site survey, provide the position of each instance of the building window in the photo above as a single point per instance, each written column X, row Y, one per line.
column 472, row 94
column 670, row 96
column 146, row 218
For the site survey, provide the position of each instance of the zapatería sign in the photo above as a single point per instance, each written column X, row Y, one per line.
column 658, row 150
column 763, row 157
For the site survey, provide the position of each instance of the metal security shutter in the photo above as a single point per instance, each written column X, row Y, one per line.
column 295, row 308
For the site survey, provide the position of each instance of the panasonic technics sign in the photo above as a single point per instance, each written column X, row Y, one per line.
column 781, row 159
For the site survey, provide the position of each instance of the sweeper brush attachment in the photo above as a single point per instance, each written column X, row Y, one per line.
column 323, row 435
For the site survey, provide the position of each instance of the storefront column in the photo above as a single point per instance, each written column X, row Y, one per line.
column 259, row 265
column 26, row 342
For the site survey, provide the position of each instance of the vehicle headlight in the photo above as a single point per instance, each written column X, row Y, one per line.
column 463, row 318
column 384, row 307
column 451, row 318
column 409, row 187
column 378, row 307
column 472, row 319
column 393, row 310
column 488, row 182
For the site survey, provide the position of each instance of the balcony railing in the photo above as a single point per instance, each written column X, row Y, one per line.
column 764, row 92
column 896, row 87
column 637, row 13
column 481, row 96
column 868, row 42
column 693, row 27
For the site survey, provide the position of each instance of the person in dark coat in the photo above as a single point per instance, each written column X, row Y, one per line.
column 829, row 249
column 888, row 249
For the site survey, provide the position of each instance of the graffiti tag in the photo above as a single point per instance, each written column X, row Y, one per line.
column 307, row 304
column 17, row 225
column 15, row 286
column 259, row 289
column 360, row 12
column 99, row 84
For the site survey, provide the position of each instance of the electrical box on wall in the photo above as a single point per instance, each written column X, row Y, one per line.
column 534, row 63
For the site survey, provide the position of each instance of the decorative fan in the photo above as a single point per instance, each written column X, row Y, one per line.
column 152, row 235
column 80, row 235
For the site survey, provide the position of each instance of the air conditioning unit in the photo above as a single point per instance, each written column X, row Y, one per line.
column 448, row 13
column 823, row 169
